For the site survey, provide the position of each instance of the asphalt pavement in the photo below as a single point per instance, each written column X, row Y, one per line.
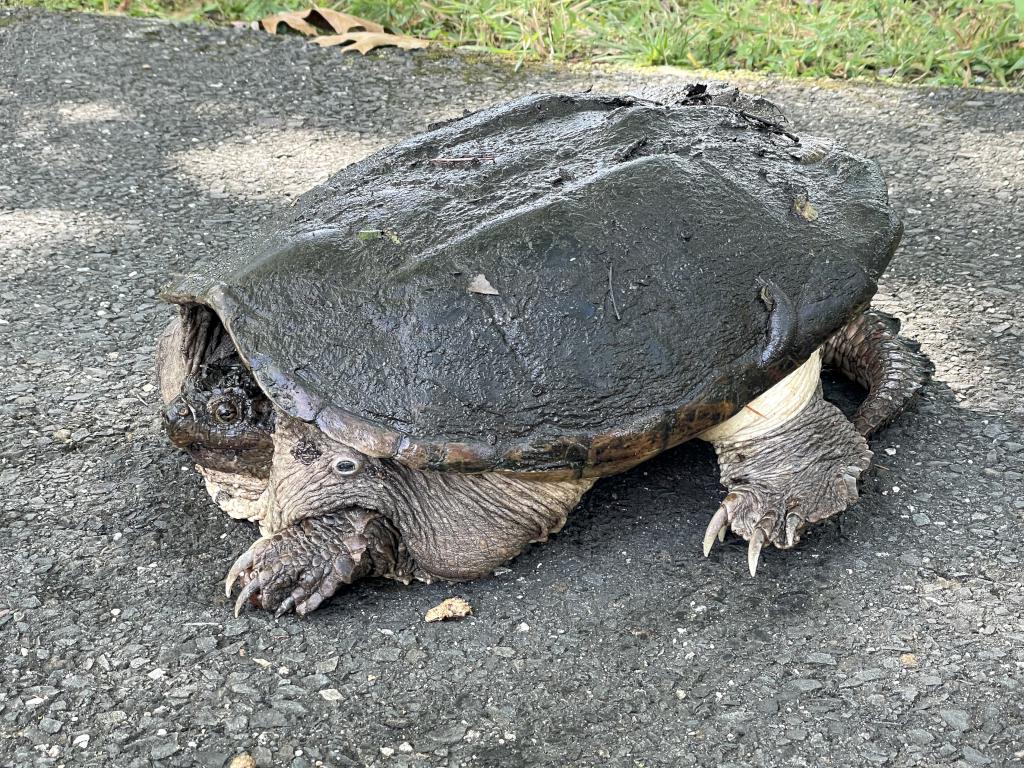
column 130, row 150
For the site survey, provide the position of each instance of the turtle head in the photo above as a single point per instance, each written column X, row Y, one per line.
column 223, row 420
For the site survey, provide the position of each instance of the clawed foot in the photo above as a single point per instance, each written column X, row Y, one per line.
column 772, row 516
column 304, row 564
column 783, row 481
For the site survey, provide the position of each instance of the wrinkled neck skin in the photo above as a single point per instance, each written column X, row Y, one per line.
column 454, row 525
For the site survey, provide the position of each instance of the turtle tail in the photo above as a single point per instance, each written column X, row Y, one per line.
column 869, row 351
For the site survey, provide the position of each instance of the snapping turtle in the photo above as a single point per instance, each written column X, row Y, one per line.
column 458, row 335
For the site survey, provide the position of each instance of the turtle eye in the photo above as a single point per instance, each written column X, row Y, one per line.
column 225, row 411
column 346, row 466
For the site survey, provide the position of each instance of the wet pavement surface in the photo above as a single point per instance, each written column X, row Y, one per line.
column 130, row 150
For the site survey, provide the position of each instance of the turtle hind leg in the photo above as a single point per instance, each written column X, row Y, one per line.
column 869, row 351
column 305, row 563
column 793, row 462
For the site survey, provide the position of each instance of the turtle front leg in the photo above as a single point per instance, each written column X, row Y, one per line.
column 788, row 460
column 869, row 350
column 303, row 564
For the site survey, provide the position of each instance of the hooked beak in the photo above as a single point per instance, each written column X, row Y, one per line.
column 177, row 419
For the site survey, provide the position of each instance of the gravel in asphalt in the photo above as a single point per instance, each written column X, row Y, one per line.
column 129, row 150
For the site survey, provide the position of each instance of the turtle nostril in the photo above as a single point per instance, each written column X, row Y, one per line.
column 176, row 413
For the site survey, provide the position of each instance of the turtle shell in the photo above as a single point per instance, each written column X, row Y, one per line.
column 559, row 284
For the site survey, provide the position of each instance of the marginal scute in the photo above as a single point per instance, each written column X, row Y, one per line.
column 618, row 452
column 365, row 436
column 692, row 419
column 627, row 240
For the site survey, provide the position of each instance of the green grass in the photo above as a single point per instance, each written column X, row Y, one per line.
column 920, row 41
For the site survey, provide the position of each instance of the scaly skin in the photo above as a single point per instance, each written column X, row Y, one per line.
column 801, row 473
column 868, row 351
column 806, row 468
column 304, row 564
column 332, row 515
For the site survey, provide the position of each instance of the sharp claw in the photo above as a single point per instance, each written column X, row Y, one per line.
column 792, row 524
column 716, row 529
column 310, row 604
column 851, row 486
column 286, row 605
column 754, row 550
column 247, row 591
column 243, row 562
column 721, row 533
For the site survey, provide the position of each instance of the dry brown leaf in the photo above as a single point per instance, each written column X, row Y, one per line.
column 352, row 32
column 316, row 20
column 364, row 42
column 481, row 284
column 243, row 760
column 452, row 608
column 294, row 19
column 344, row 22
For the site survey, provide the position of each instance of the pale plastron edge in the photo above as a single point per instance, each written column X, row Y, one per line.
column 771, row 409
